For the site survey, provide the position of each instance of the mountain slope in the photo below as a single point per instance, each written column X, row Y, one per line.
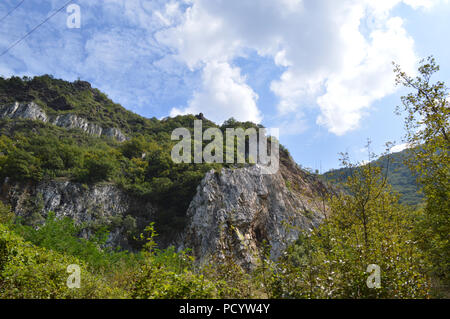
column 399, row 176
column 56, row 156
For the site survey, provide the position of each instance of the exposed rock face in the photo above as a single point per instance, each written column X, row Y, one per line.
column 33, row 112
column 232, row 213
column 23, row 110
column 71, row 121
column 114, row 133
column 96, row 205
column 235, row 210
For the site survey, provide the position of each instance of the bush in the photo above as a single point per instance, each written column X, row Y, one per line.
column 168, row 274
column 21, row 166
column 160, row 282
column 6, row 216
column 97, row 167
column 61, row 235
column 28, row 271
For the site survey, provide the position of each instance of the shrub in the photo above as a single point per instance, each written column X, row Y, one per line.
column 28, row 271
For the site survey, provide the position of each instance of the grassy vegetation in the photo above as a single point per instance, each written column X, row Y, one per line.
column 33, row 264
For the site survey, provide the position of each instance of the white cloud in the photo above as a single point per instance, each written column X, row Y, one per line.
column 327, row 57
column 224, row 95
column 399, row 148
column 335, row 55
column 420, row 3
column 366, row 78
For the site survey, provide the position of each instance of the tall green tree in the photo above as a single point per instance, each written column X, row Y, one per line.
column 427, row 125
column 365, row 225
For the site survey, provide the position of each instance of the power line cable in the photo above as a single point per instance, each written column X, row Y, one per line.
column 4, row 17
column 34, row 29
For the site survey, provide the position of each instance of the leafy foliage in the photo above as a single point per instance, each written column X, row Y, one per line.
column 62, row 235
column 427, row 125
column 37, row 267
column 365, row 226
column 399, row 176
column 28, row 271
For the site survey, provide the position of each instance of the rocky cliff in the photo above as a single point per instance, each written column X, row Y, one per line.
column 232, row 214
column 32, row 111
column 93, row 206
column 236, row 210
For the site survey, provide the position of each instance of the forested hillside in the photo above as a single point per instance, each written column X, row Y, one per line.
column 51, row 130
column 399, row 176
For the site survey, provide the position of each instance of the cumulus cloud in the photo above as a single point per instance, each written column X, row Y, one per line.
column 224, row 94
column 333, row 56
column 366, row 78
column 420, row 3
column 337, row 53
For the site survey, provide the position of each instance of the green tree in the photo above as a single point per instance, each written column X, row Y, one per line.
column 427, row 125
column 364, row 225
column 21, row 165
column 98, row 166
column 134, row 148
column 6, row 216
column 168, row 274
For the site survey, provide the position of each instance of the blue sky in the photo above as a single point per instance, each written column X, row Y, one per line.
column 319, row 70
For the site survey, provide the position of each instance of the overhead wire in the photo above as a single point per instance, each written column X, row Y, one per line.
column 9, row 13
column 34, row 29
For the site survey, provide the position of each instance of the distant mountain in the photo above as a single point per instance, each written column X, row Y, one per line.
column 399, row 176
